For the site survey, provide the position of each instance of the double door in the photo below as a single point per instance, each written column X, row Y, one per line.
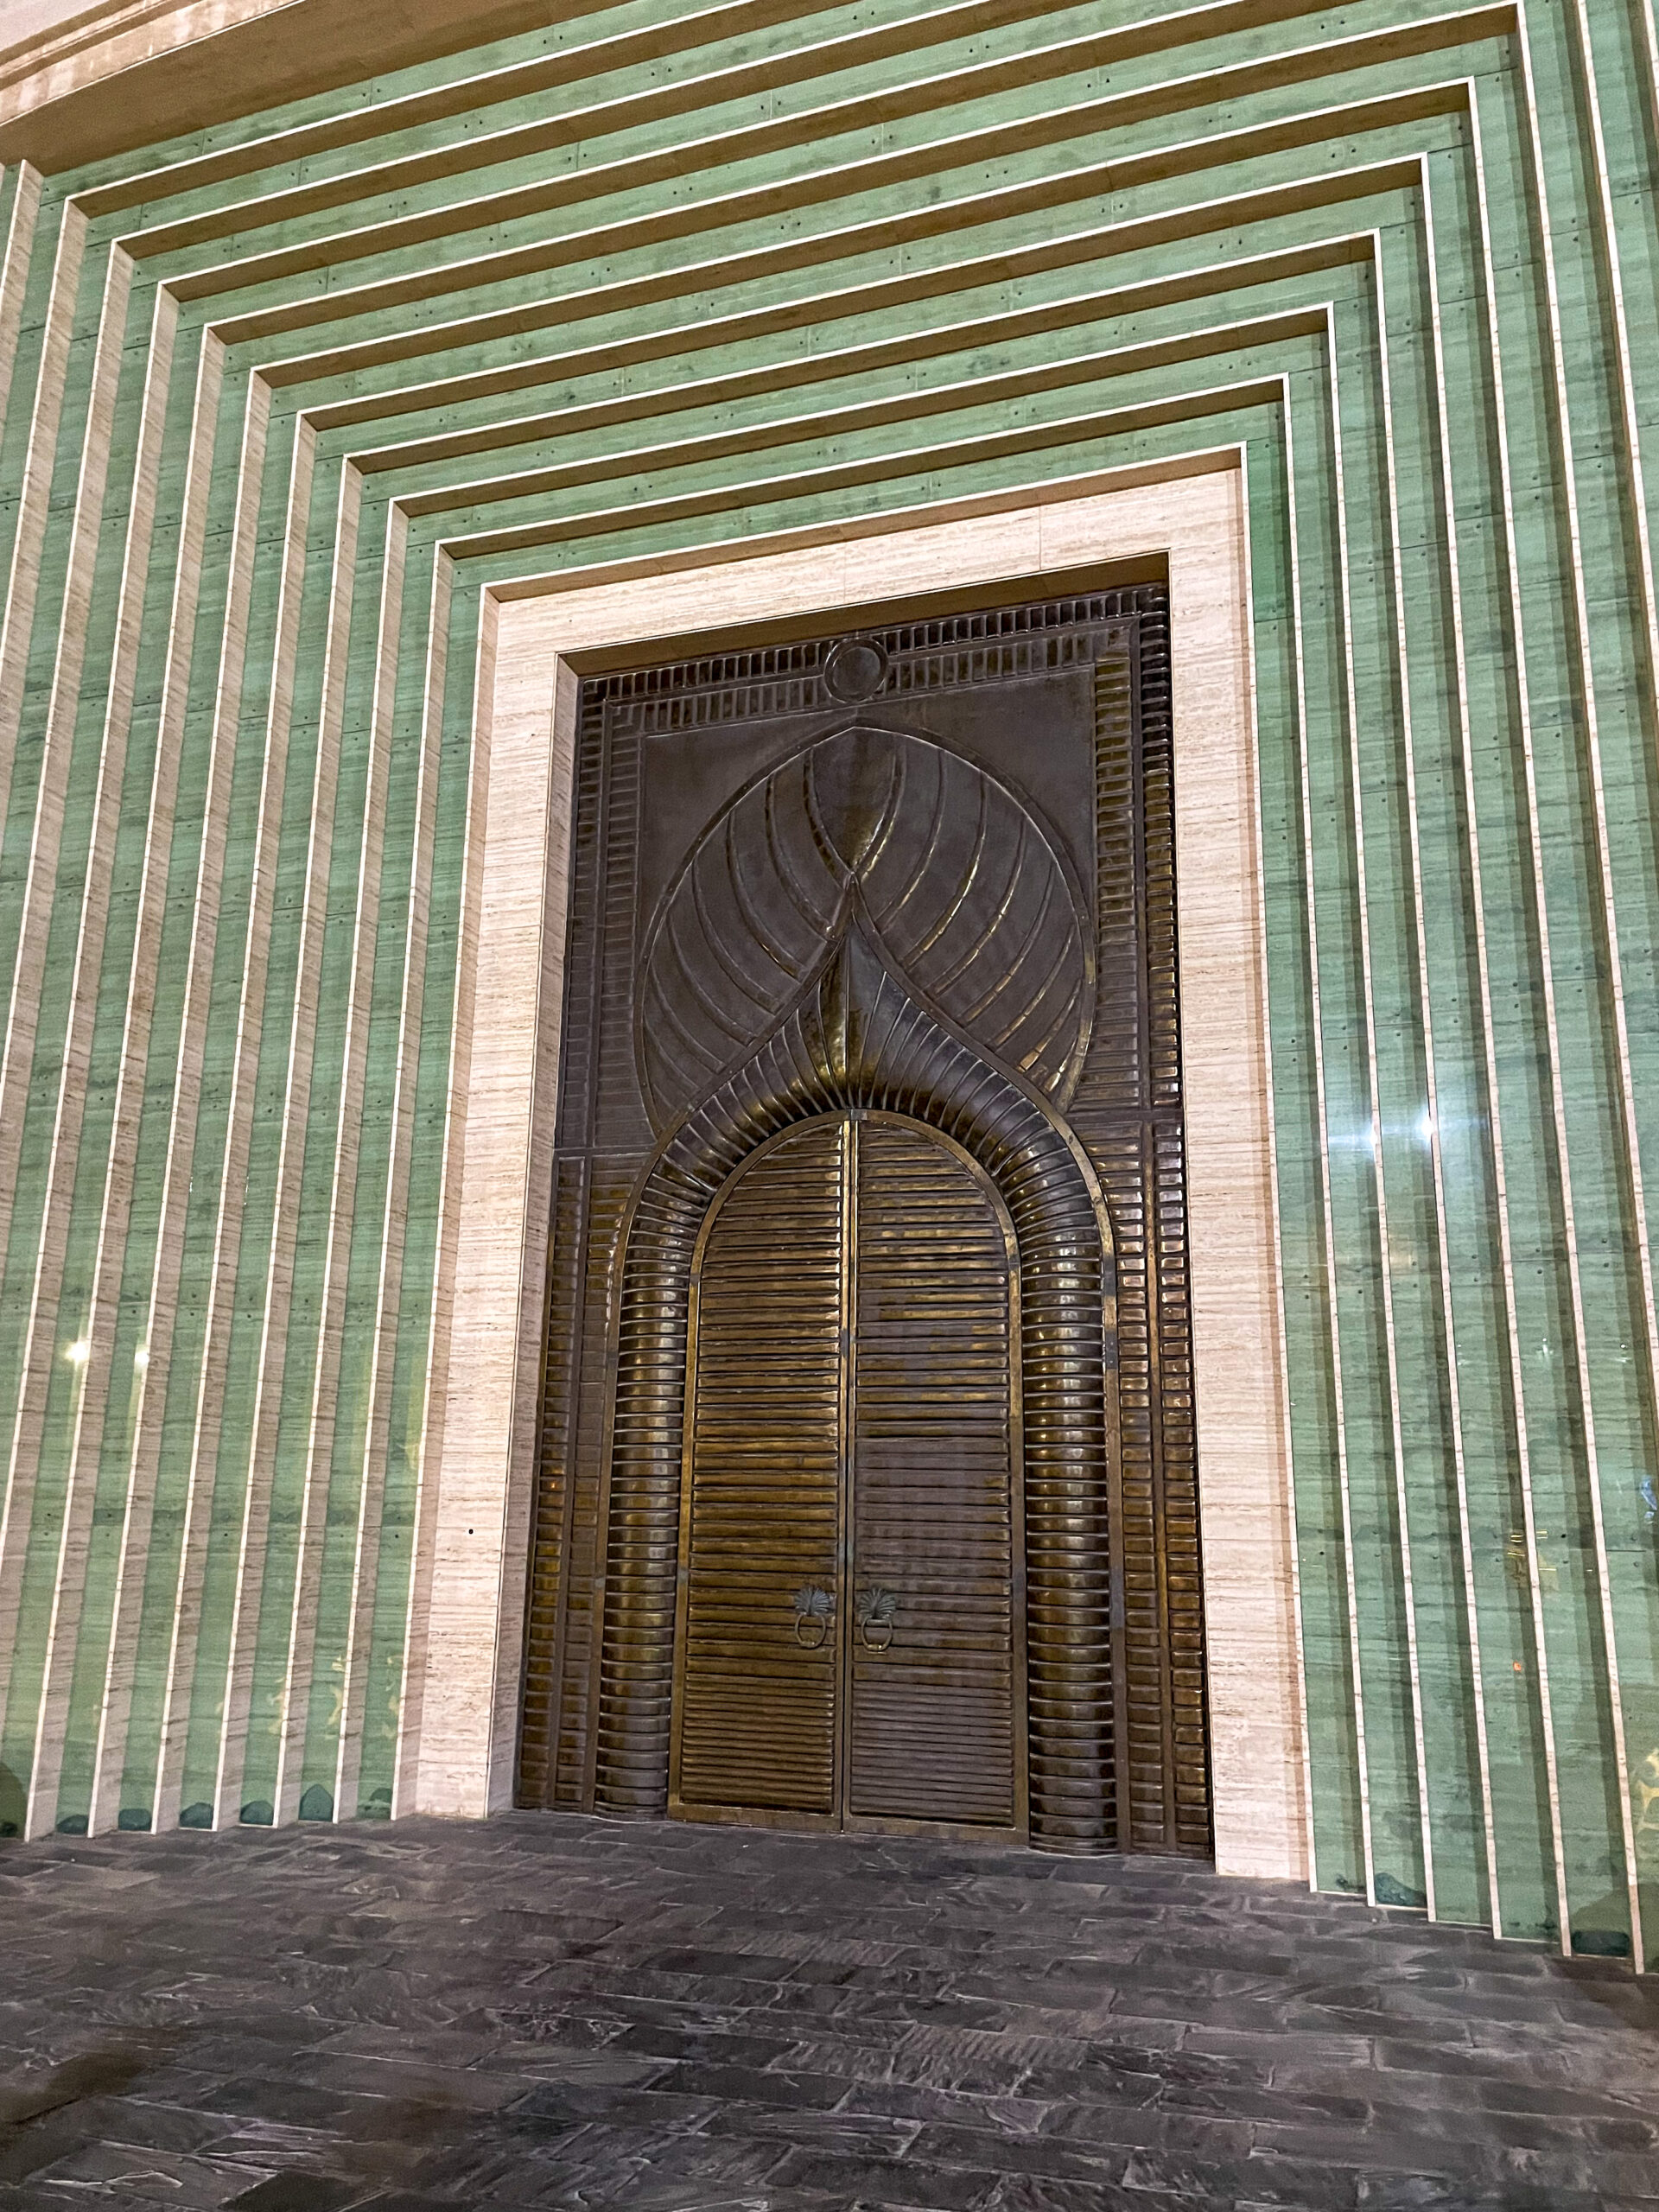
column 850, row 1617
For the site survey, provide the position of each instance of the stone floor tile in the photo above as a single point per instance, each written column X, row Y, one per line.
column 100, row 2170
column 641, row 2169
column 547, row 2011
column 909, row 2101
column 939, row 2144
column 787, row 2085
column 299, row 2192
column 863, row 2133
column 907, row 2182
column 1151, row 2128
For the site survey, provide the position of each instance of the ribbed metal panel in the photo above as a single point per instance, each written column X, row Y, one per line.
column 935, row 1688
column 767, row 1473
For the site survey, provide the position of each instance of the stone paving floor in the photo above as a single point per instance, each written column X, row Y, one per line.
column 548, row 2011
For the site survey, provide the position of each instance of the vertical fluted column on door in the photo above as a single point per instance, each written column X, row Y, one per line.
column 1073, row 1687
column 634, row 1705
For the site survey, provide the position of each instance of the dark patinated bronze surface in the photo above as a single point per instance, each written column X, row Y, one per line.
column 866, row 1491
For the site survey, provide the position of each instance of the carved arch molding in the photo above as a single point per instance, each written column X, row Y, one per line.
column 922, row 870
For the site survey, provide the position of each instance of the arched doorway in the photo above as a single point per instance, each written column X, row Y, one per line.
column 856, row 1042
column 923, row 877
column 850, row 1628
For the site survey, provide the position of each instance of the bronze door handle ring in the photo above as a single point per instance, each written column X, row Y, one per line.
column 877, row 1609
column 814, row 1609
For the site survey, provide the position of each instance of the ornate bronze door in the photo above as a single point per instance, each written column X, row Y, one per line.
column 848, row 1636
column 866, row 1487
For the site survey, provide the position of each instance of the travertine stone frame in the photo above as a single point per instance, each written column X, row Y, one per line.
column 67, row 87
column 463, row 1709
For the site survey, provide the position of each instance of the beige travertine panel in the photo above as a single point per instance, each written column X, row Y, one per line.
column 48, row 48
column 494, row 1269
column 480, row 1536
column 81, row 79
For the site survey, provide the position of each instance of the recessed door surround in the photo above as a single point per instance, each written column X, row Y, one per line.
column 867, row 1490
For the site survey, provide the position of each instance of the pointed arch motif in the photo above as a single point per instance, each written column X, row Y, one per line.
column 858, row 1038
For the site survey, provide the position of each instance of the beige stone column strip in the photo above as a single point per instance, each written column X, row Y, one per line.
column 1614, row 980
column 1396, row 1439
column 1437, row 1162
column 525, row 1401
column 465, row 1766
column 1277, row 1479
column 1523, row 702
column 17, row 621
column 95, row 1328
column 1648, row 25
column 348, row 1119
column 265, row 1426
column 1257, row 1700
column 1328, row 1212
column 28, row 969
column 150, row 1392
column 371, row 1470
column 15, row 265
column 34, row 492
column 1634, row 507
column 1635, row 504
column 411, row 1716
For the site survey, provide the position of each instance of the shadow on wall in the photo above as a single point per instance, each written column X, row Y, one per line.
column 14, row 1802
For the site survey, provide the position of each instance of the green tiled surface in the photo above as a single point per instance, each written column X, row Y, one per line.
column 810, row 270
